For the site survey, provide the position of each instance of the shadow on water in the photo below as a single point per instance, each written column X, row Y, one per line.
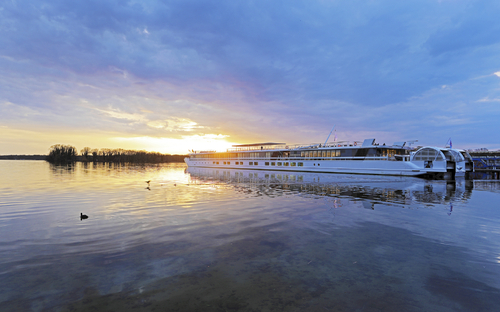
column 465, row 292
column 371, row 267
column 375, row 189
column 62, row 169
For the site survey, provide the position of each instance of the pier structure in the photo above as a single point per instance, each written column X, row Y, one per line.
column 486, row 163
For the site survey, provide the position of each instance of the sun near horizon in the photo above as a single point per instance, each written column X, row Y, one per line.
column 39, row 141
column 185, row 145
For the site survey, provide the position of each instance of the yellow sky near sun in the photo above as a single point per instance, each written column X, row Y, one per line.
column 25, row 141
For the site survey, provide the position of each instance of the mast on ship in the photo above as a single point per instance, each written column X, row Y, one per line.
column 329, row 135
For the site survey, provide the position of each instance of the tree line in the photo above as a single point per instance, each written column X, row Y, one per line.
column 60, row 153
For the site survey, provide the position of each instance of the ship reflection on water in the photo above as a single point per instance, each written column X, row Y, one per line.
column 372, row 189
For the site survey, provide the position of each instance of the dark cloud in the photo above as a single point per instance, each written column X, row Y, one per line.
column 477, row 27
column 305, row 61
column 357, row 51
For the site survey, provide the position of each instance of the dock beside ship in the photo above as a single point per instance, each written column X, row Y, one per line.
column 486, row 164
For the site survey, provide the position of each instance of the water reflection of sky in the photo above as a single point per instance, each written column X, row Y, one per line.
column 243, row 240
column 447, row 208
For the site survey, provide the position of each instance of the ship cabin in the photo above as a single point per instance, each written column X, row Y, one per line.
column 343, row 150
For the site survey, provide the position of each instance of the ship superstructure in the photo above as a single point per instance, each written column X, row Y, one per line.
column 366, row 157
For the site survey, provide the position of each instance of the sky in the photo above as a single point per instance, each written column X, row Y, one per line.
column 171, row 76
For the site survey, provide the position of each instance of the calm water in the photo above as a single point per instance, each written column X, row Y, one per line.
column 224, row 240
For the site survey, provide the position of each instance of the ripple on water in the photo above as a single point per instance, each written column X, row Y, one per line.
column 235, row 240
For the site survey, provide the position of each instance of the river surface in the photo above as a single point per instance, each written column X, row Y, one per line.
column 237, row 240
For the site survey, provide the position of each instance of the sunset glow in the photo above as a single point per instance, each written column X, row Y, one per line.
column 178, row 146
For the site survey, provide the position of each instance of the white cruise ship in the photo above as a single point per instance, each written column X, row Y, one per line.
column 365, row 157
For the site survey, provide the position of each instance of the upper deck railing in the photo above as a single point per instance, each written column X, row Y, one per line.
column 269, row 147
column 295, row 146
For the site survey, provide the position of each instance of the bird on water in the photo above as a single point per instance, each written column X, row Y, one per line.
column 148, row 181
column 82, row 216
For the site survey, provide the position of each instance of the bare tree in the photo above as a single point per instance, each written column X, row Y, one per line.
column 85, row 153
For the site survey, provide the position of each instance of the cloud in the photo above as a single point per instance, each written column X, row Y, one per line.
column 251, row 69
column 174, row 124
column 122, row 115
column 462, row 33
column 364, row 53
column 486, row 99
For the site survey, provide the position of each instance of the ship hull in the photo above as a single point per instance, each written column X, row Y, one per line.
column 396, row 168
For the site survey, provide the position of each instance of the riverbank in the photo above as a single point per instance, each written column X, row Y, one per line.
column 23, row 157
column 162, row 158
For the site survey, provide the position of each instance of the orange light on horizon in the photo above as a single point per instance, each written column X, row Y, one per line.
column 211, row 142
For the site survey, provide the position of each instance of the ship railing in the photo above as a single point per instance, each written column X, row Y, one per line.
column 296, row 146
column 299, row 158
column 291, row 147
column 258, row 148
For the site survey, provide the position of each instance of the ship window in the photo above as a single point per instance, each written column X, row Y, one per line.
column 228, row 162
column 250, row 163
column 302, row 154
column 427, row 154
column 279, row 163
column 273, row 163
column 361, row 152
column 266, row 163
column 255, row 163
column 217, row 162
column 465, row 155
column 285, row 164
column 301, row 164
column 457, row 156
column 371, row 152
column 346, row 153
column 293, row 164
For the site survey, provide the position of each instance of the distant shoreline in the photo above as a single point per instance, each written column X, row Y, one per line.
column 23, row 157
column 172, row 158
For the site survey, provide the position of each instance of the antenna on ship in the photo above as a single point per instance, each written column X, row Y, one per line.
column 329, row 134
column 411, row 142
